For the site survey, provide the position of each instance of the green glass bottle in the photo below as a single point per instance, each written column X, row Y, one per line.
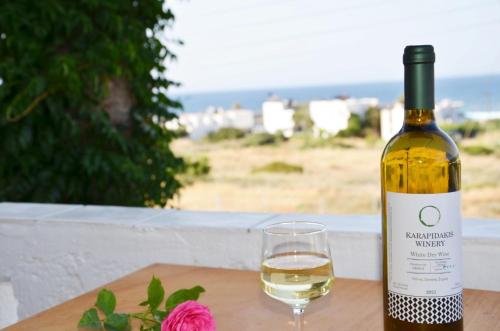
column 421, row 219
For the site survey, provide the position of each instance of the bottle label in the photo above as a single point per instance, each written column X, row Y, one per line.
column 424, row 257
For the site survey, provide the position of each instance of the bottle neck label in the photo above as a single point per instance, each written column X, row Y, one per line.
column 424, row 257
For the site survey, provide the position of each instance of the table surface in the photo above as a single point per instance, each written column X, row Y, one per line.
column 235, row 298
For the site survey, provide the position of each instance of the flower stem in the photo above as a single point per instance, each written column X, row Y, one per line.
column 142, row 317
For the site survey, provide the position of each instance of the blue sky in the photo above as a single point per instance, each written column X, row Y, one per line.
column 276, row 43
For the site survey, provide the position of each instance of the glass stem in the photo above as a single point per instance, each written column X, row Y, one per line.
column 298, row 315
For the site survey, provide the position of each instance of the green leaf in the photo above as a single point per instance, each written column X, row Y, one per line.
column 117, row 322
column 183, row 295
column 155, row 293
column 106, row 301
column 58, row 80
column 90, row 320
column 159, row 315
column 152, row 328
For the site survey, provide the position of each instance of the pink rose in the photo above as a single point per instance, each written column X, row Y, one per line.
column 189, row 316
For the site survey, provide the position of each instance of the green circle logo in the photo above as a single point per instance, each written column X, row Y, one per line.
column 429, row 216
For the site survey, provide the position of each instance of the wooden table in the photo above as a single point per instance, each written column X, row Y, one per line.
column 238, row 303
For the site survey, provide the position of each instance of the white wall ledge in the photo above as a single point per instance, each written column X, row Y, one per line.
column 51, row 253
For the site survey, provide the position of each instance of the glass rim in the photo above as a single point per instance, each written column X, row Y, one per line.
column 320, row 227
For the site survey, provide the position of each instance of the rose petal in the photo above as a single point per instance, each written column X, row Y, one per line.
column 189, row 316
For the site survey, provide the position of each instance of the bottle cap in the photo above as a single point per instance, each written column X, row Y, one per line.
column 419, row 54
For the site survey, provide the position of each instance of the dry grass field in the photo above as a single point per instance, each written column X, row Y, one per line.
column 335, row 180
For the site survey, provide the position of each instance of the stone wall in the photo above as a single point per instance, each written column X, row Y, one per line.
column 51, row 253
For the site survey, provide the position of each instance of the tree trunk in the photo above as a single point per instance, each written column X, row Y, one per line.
column 118, row 102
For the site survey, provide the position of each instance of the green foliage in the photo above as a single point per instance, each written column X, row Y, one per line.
column 354, row 127
column 478, row 150
column 225, row 134
column 330, row 142
column 302, row 119
column 371, row 123
column 155, row 293
column 117, row 322
column 150, row 319
column 280, row 167
column 468, row 129
column 198, row 168
column 181, row 296
column 195, row 169
column 106, row 301
column 264, row 138
column 90, row 320
column 181, row 132
column 81, row 115
column 372, row 140
column 492, row 125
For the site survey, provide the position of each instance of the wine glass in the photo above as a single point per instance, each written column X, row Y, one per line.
column 296, row 265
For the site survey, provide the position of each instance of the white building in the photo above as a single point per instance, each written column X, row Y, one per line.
column 277, row 116
column 449, row 111
column 329, row 116
column 199, row 124
column 360, row 106
column 391, row 119
column 240, row 118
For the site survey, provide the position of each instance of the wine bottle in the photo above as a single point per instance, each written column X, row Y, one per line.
column 421, row 219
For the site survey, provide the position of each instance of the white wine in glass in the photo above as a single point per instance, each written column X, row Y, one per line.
column 297, row 278
column 296, row 265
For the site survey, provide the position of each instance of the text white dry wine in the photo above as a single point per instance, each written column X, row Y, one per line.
column 421, row 228
column 296, row 278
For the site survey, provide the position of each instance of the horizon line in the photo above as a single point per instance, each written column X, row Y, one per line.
column 229, row 90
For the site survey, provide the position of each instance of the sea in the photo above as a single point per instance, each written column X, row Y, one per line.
column 480, row 94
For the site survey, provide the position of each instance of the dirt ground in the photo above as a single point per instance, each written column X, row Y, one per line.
column 335, row 180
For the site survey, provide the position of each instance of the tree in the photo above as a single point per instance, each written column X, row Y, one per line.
column 354, row 127
column 302, row 119
column 82, row 102
column 372, row 120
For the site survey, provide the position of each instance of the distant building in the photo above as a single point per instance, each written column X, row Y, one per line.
column 449, row 111
column 277, row 116
column 329, row 116
column 199, row 124
column 360, row 106
column 239, row 118
column 391, row 120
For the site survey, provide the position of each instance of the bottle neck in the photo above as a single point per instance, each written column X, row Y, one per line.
column 419, row 86
column 419, row 95
column 419, row 118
